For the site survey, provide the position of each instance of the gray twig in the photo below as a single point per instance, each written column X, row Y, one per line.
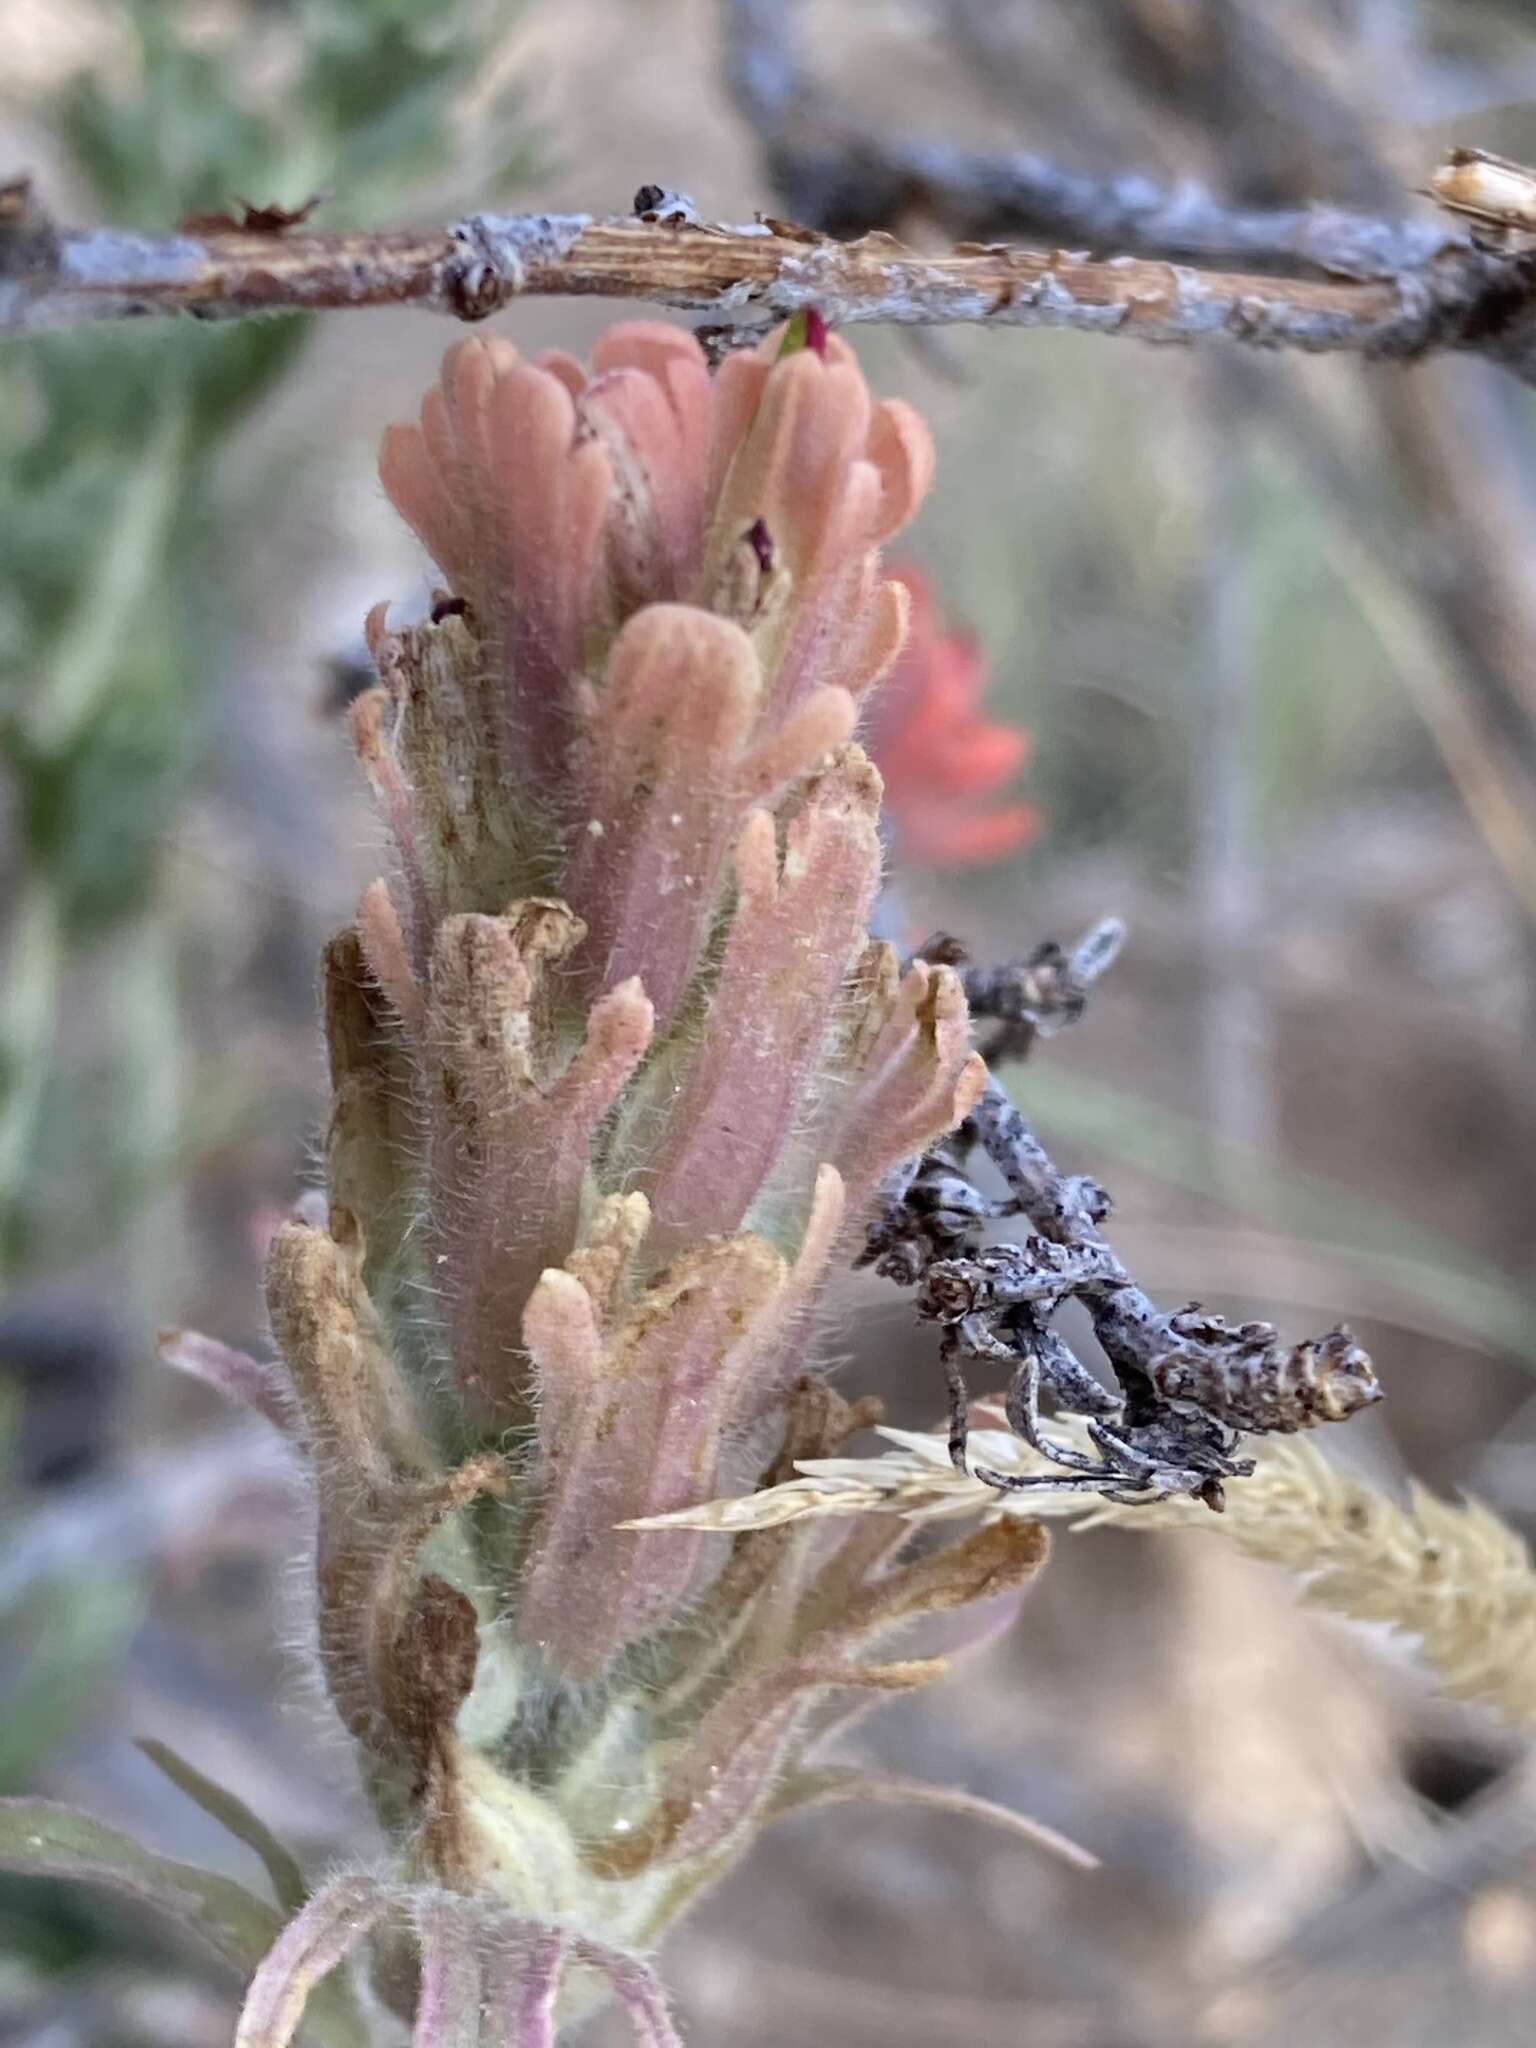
column 844, row 178
column 765, row 271
column 1190, row 1384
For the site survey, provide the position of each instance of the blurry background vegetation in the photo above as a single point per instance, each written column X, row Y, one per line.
column 1266, row 623
column 129, row 512
column 126, row 525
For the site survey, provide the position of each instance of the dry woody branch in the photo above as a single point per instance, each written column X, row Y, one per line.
column 1418, row 296
column 1189, row 1386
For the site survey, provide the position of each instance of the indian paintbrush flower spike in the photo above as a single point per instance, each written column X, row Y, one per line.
column 616, row 1076
column 617, row 1079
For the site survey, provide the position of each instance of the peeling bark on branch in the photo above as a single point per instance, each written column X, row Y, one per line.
column 754, row 275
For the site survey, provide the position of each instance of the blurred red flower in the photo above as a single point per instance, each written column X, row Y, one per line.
column 944, row 763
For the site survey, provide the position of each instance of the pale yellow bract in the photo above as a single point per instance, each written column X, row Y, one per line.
column 1453, row 1576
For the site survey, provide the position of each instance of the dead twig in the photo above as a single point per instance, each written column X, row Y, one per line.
column 752, row 276
column 845, row 179
column 1190, row 1385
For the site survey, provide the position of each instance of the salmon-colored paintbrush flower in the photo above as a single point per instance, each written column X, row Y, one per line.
column 616, row 1076
column 945, row 765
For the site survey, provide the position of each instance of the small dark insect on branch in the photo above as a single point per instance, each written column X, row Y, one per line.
column 1190, row 1385
column 253, row 220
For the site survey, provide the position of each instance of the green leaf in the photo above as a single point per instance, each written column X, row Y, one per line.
column 61, row 1642
column 40, row 1838
column 132, row 544
column 232, row 1813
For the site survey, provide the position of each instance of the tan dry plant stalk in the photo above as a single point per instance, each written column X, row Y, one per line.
column 616, row 1075
column 1455, row 1578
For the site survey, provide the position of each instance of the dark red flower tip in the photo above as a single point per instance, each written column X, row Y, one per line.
column 760, row 541
column 805, row 329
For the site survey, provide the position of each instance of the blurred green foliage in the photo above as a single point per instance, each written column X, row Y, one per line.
column 62, row 1637
column 121, row 549
column 110, row 444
